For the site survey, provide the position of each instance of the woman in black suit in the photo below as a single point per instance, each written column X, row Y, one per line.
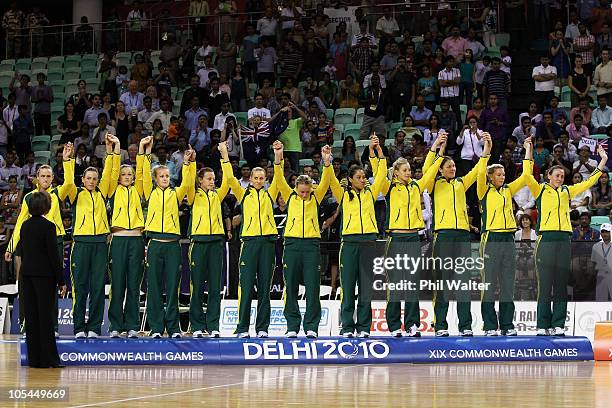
column 41, row 273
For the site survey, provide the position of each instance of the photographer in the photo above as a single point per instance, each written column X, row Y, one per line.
column 403, row 89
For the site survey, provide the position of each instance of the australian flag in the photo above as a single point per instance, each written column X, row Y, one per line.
column 255, row 141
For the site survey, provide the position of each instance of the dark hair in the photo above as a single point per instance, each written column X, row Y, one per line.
column 205, row 170
column 525, row 217
column 39, row 203
column 344, row 147
column 102, row 115
column 351, row 173
column 496, row 59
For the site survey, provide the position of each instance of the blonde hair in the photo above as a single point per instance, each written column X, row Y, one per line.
column 90, row 168
column 159, row 167
column 491, row 169
column 304, row 179
column 44, row 167
column 258, row 169
column 396, row 166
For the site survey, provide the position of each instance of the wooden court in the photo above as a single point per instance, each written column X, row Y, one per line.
column 530, row 384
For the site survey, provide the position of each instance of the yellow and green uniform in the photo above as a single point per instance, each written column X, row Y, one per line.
column 206, row 255
column 163, row 259
column 497, row 248
column 451, row 240
column 404, row 221
column 58, row 195
column 257, row 253
column 358, row 226
column 126, row 252
column 89, row 256
column 302, row 254
column 553, row 246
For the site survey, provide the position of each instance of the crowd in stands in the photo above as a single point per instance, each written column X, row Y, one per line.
column 291, row 77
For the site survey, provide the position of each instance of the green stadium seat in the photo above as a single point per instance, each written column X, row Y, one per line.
column 597, row 220
column 394, row 127
column 89, row 65
column 361, row 145
column 566, row 94
column 42, row 157
column 23, row 64
column 252, row 90
column 359, row 116
column 599, row 136
column 353, row 130
column 463, row 109
column 90, row 57
column 55, row 76
column 8, row 61
column 344, row 116
column 56, row 62
column 330, row 114
column 305, row 162
column 40, row 143
column 6, row 67
column 338, row 131
column 241, row 117
column 38, row 65
column 502, row 39
column 57, row 86
column 72, row 61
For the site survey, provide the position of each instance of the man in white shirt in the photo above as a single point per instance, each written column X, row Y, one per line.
column 11, row 112
column 136, row 23
column 92, row 114
column 375, row 70
column 524, row 131
column 363, row 32
column 584, row 165
column 206, row 70
column 192, row 114
column 8, row 169
column 146, row 113
column 202, row 52
column 290, row 14
column 571, row 31
column 544, row 76
column 386, row 28
column 602, row 260
column 222, row 116
column 449, row 79
column 266, row 26
column 132, row 99
column 259, row 109
column 164, row 115
column 602, row 79
column 245, row 172
column 525, row 201
column 601, row 117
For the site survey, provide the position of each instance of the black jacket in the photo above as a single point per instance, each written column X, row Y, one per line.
column 39, row 255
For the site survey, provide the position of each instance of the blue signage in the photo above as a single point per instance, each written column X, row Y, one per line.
column 328, row 350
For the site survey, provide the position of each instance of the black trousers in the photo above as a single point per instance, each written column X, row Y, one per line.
column 42, row 123
column 39, row 311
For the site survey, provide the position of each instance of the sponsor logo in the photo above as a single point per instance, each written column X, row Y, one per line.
column 316, row 350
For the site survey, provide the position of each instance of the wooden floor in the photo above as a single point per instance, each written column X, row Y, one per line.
column 496, row 385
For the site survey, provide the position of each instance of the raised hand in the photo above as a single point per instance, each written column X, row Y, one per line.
column 67, row 153
column 326, row 154
column 145, row 141
column 374, row 140
column 602, row 153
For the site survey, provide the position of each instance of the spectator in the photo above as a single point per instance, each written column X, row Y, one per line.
column 477, row 108
column 506, row 60
column 559, row 50
column 204, row 73
column 239, row 89
column 189, row 93
column 577, row 130
column 471, row 144
column 540, row 153
column 290, row 14
column 221, row 117
column 92, row 114
column 99, row 136
column 549, row 131
column 526, row 232
column 579, row 82
column 163, row 81
column 427, row 86
column 602, row 79
column 516, row 152
column 8, row 169
column 164, row 115
column 23, row 93
column 192, row 115
column 267, row 25
column 556, row 159
column 266, row 62
column 473, row 44
column 136, row 24
column 161, row 152
column 170, row 54
column 525, row 130
column 82, row 100
column 525, row 202
column 532, row 114
column 583, row 232
column 13, row 22
column 349, row 93
column 133, row 99
column 449, row 79
column 466, row 87
column 496, row 82
column 455, row 45
column 431, row 134
column 84, row 139
column 602, row 115
column 68, row 125
column 259, row 109
column 148, row 111
column 123, row 124
column 200, row 136
column 604, row 40
column 362, row 58
column 137, row 135
column 398, row 148
column 584, row 45
column 290, row 62
column 599, row 257
column 570, row 153
column 494, row 120
column 42, row 95
column 84, row 37
column 403, row 89
column 328, row 92
column 23, row 130
column 291, row 135
column 10, row 111
column 386, row 28
column 554, row 109
column 510, row 167
column 339, row 52
column 11, row 202
column 421, row 114
column 35, row 21
column 584, row 110
column 584, row 165
column 28, row 173
column 4, row 137
column 447, row 120
column 203, row 51
column 389, row 60
column 544, row 76
column 226, row 59
column 602, row 196
column 480, row 70
column 363, row 33
column 375, row 101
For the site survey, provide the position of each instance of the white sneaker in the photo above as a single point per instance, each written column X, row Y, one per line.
column 57, row 335
column 92, row 335
column 243, row 335
column 79, row 335
column 215, row 334
column 466, row 333
column 363, row 334
column 511, row 332
column 290, row 335
column 311, row 334
column 413, row 331
column 396, row 333
column 490, row 333
column 263, row 334
column 133, row 334
column 114, row 334
column 176, row 335
column 442, row 333
column 156, row 336
column 197, row 334
column 558, row 331
column 542, row 332
column 23, row 336
column 348, row 335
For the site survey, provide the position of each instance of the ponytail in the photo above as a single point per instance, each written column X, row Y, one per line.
column 351, row 173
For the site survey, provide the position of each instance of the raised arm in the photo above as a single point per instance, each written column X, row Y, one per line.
column 520, row 182
column 140, row 163
column 429, row 177
column 439, row 142
column 321, row 189
column 107, row 186
column 279, row 181
column 147, row 178
column 534, row 186
column 481, row 177
column 386, row 184
column 229, row 172
column 588, row 183
column 381, row 175
column 68, row 165
column 188, row 176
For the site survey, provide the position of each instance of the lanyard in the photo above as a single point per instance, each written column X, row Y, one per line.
column 606, row 252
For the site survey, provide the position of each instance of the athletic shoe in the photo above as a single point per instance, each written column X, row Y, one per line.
column 542, row 332
column 92, row 335
column 363, row 334
column 79, row 335
column 558, row 331
column 156, row 336
column 133, row 334
column 215, row 334
column 466, row 333
column 348, row 335
column 23, row 336
column 413, row 331
column 56, row 335
column 490, row 333
column 243, row 335
column 442, row 333
column 396, row 333
column 262, row 334
column 510, row 332
column 311, row 334
column 176, row 335
column 114, row 334
column 290, row 335
column 197, row 334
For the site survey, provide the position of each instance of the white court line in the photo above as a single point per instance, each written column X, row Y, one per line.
column 97, row 404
